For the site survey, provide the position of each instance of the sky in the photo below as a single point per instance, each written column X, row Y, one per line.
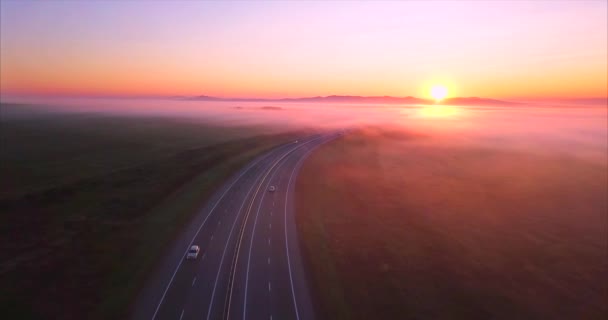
column 499, row 49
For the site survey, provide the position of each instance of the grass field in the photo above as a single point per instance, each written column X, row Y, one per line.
column 89, row 201
column 398, row 226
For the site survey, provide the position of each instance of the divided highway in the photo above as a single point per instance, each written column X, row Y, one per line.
column 250, row 266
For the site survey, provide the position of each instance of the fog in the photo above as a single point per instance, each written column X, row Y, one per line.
column 506, row 204
column 577, row 129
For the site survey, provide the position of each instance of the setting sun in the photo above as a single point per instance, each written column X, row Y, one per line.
column 439, row 92
column 457, row 148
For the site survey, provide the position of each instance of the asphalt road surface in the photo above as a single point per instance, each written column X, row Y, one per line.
column 250, row 266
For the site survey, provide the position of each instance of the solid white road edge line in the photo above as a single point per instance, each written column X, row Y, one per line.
column 201, row 226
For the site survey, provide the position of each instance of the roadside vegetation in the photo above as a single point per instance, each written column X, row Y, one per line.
column 397, row 225
column 88, row 202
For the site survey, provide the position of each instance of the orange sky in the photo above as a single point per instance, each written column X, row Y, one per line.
column 512, row 49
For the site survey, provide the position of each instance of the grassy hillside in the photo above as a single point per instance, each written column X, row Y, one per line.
column 398, row 226
column 88, row 202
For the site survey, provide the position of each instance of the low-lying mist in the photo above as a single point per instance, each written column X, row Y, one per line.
column 577, row 130
column 497, row 209
column 464, row 213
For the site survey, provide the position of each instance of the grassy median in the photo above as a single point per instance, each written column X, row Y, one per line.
column 89, row 202
column 397, row 226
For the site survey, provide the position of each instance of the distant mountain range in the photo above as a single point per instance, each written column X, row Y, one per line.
column 360, row 99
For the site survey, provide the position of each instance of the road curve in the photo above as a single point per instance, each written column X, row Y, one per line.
column 250, row 266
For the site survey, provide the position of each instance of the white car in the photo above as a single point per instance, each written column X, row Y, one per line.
column 193, row 252
column 272, row 189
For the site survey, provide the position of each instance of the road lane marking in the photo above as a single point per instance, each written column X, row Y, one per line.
column 298, row 164
column 224, row 252
column 162, row 298
column 270, row 226
column 293, row 294
column 287, row 155
column 181, row 315
column 193, row 281
column 262, row 178
column 279, row 165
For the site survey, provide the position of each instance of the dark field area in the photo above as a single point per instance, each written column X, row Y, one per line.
column 397, row 225
column 42, row 149
column 89, row 201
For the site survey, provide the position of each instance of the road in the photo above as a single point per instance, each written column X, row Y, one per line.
column 250, row 266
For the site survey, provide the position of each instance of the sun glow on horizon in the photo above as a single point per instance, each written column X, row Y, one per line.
column 297, row 49
column 439, row 92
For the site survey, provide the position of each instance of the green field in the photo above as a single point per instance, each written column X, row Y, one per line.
column 88, row 202
column 397, row 225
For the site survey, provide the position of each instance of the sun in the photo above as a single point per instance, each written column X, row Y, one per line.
column 439, row 92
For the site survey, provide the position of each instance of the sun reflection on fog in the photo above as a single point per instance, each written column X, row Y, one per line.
column 438, row 111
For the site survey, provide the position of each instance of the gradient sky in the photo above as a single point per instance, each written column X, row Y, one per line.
column 501, row 49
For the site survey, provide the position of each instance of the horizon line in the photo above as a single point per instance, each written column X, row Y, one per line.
column 228, row 98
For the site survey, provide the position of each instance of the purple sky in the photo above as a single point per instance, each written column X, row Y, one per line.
column 272, row 49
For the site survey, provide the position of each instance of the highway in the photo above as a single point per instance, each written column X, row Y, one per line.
column 250, row 266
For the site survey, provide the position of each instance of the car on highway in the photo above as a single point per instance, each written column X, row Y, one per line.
column 272, row 189
column 193, row 252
